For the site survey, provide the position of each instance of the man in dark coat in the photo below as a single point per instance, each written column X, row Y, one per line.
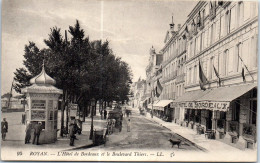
column 4, row 128
column 37, row 132
column 23, row 119
column 105, row 114
column 28, row 133
column 72, row 131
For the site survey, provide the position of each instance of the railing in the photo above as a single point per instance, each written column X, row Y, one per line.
column 170, row 77
column 180, row 78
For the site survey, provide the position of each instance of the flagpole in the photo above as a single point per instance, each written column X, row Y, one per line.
column 245, row 65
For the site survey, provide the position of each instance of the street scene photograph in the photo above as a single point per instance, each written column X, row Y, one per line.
column 114, row 80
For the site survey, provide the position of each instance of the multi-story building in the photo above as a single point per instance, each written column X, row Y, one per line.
column 153, row 73
column 222, row 44
column 209, row 70
column 138, row 90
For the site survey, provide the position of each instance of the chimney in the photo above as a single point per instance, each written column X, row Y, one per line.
column 172, row 25
column 179, row 27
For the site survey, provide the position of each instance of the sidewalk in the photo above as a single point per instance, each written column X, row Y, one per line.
column 199, row 140
column 15, row 136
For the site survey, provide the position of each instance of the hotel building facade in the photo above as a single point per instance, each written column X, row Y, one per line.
column 219, row 40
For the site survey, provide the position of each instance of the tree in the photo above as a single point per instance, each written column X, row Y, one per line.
column 83, row 69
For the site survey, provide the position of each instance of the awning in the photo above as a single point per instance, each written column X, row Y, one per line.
column 150, row 104
column 191, row 96
column 227, row 94
column 213, row 99
column 163, row 103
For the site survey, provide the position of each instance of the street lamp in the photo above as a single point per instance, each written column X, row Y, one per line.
column 92, row 102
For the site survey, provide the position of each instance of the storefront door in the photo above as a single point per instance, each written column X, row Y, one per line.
column 209, row 120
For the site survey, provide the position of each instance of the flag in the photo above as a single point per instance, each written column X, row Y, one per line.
column 199, row 20
column 203, row 79
column 158, row 88
column 216, row 72
column 243, row 75
column 186, row 29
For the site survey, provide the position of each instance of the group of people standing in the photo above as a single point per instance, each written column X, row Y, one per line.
column 37, row 131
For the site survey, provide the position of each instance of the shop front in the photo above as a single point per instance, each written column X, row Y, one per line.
column 225, row 113
column 185, row 113
column 163, row 110
column 233, row 110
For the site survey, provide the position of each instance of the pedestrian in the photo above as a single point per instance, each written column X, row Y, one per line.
column 79, row 126
column 128, row 125
column 24, row 118
column 72, row 133
column 101, row 113
column 37, row 132
column 28, row 133
column 105, row 114
column 4, row 128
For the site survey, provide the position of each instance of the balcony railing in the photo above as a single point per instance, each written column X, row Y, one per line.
column 170, row 77
column 180, row 78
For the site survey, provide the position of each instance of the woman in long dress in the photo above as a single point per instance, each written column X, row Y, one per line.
column 128, row 125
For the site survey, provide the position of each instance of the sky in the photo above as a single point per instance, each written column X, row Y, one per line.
column 132, row 27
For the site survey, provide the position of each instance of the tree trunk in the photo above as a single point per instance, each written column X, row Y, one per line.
column 84, row 113
column 62, row 116
column 67, row 118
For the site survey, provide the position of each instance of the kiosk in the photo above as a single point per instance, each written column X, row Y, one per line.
column 42, row 106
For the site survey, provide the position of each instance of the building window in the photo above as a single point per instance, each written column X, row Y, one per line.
column 231, row 59
column 195, row 44
column 191, row 51
column 202, row 41
column 222, row 24
column 223, row 62
column 191, row 75
column 247, row 10
column 254, row 44
column 239, row 50
column 245, row 52
column 240, row 14
column 232, row 18
column 195, row 74
column 236, row 110
column 227, row 22
column 211, row 61
column 217, row 27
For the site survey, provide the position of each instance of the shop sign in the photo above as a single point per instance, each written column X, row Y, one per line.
column 38, row 104
column 38, row 115
column 221, row 106
column 173, row 105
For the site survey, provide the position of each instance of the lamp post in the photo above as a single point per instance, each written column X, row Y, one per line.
column 92, row 101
